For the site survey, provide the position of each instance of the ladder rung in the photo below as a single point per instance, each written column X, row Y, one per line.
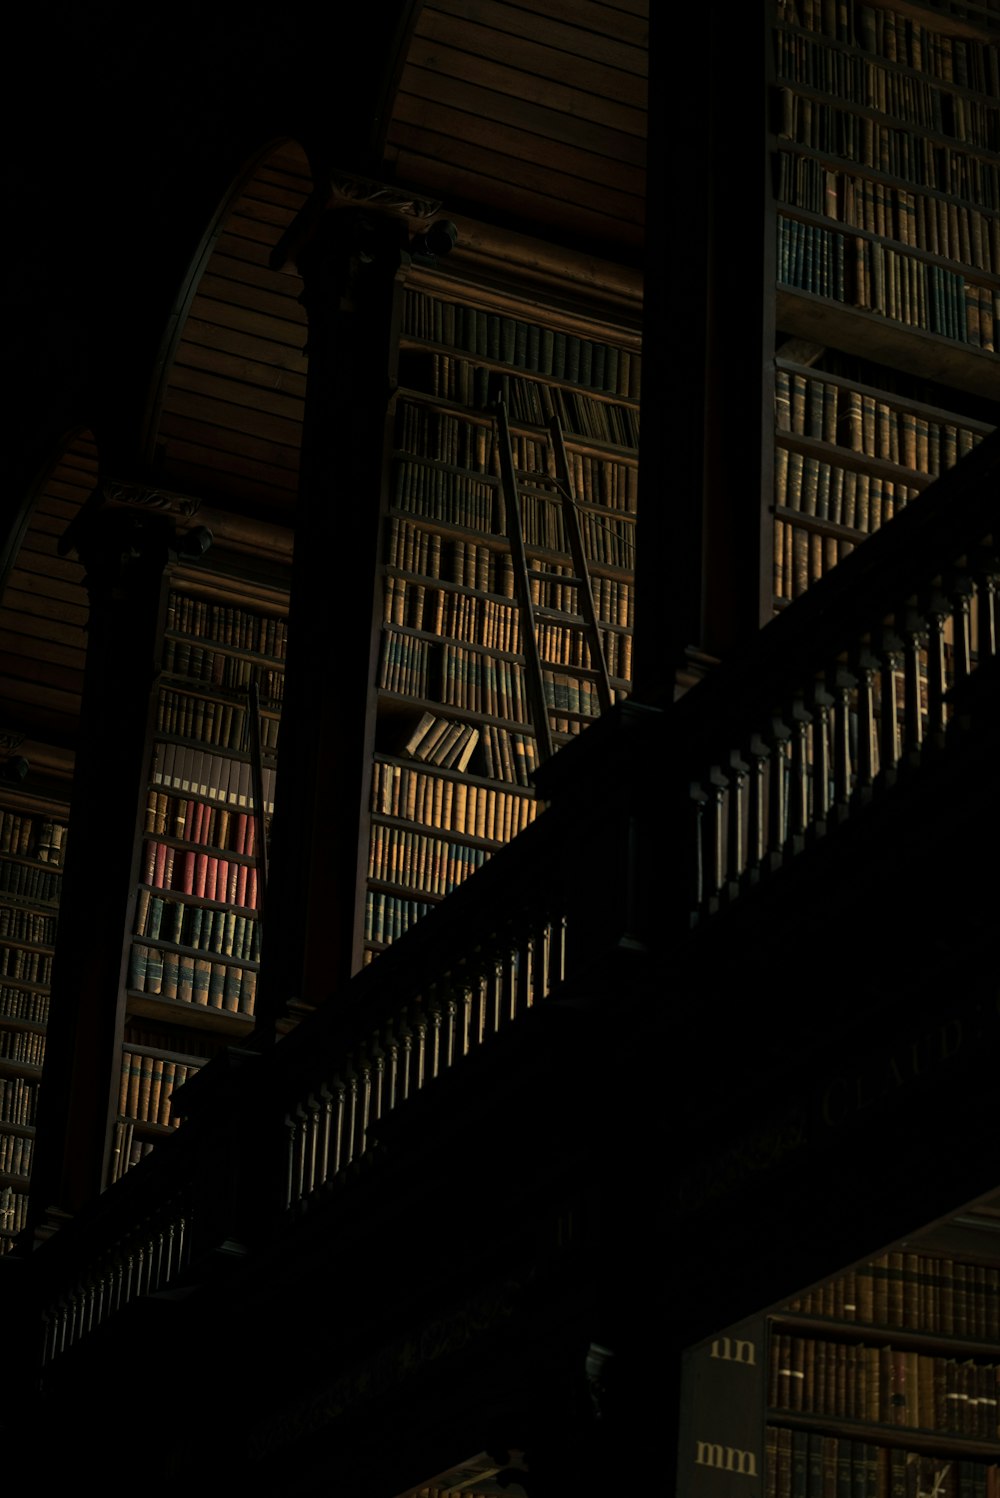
column 561, row 616
column 555, row 577
column 581, row 673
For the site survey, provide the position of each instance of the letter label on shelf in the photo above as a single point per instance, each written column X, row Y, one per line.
column 726, row 1458
column 734, row 1350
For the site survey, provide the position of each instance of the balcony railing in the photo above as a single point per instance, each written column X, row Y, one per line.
column 848, row 693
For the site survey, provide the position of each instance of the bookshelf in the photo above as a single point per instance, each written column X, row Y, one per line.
column 193, row 952
column 32, row 848
column 455, row 741
column 886, row 181
column 887, row 1379
column 883, row 1381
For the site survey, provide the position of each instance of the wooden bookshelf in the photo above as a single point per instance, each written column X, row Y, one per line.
column 193, row 952
column 883, row 1380
column 33, row 845
column 886, row 181
column 455, row 742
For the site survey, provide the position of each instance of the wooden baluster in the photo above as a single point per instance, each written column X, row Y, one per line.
column 736, row 834
column 777, row 791
column 364, row 1084
column 339, row 1096
column 913, row 631
column 821, row 703
column 759, row 755
column 960, row 596
column 986, row 616
column 866, row 668
column 890, row 650
column 420, row 1049
column 698, row 801
column 718, row 787
column 378, row 1079
column 451, row 1040
column 844, row 684
column 324, row 1134
column 392, row 1079
column 434, row 1034
column 465, row 1009
column 310, row 1133
column 798, row 809
column 937, row 672
column 350, row 1143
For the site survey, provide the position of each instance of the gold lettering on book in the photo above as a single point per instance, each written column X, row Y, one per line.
column 725, row 1458
column 734, row 1350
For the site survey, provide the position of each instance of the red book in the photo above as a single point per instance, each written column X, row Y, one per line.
column 251, row 900
column 161, row 863
column 187, row 874
column 251, row 846
column 240, row 840
column 212, row 875
column 201, row 873
column 241, row 884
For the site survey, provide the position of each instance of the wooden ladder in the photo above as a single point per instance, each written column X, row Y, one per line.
column 555, row 488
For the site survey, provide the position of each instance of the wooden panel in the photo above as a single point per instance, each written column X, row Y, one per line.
column 240, row 344
column 440, row 58
column 595, row 171
column 224, row 387
column 581, row 31
column 234, row 366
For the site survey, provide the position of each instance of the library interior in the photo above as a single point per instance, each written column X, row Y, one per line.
column 543, row 430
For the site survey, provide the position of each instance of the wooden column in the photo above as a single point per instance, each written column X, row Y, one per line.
column 124, row 553
column 350, row 259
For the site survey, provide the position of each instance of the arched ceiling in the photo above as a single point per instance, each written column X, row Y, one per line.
column 526, row 117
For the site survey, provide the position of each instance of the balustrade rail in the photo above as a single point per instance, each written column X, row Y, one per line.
column 842, row 695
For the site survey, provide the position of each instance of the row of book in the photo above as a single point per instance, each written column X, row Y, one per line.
column 18, row 1097
column 168, row 974
column 425, row 431
column 217, row 777
column 860, row 501
column 19, row 924
column 932, row 106
column 483, row 683
column 486, row 569
column 449, row 377
column 23, row 1004
column 802, row 556
column 243, row 629
column 864, row 273
column 445, row 495
column 442, row 741
column 388, row 916
column 458, row 614
column 915, row 1292
column 916, row 159
column 147, row 1083
column 29, row 881
column 27, row 964
column 202, row 822
column 806, row 1464
column 448, row 803
column 191, row 715
column 15, row 1154
column 201, row 874
column 529, row 346
column 419, row 862
column 509, row 755
column 967, row 61
column 890, row 1386
column 225, row 933
column 234, row 673
column 405, row 665
column 29, row 836
column 830, row 411
column 942, row 226
column 13, row 1212
column 24, row 1046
